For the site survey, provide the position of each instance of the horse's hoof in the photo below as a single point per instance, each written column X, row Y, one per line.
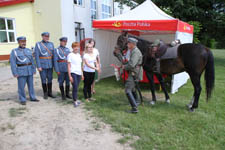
column 191, row 109
column 152, row 103
column 167, row 101
column 188, row 106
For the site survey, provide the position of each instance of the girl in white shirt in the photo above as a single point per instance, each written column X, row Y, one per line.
column 75, row 70
column 90, row 65
column 97, row 73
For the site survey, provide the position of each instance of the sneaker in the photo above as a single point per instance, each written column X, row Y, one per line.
column 76, row 104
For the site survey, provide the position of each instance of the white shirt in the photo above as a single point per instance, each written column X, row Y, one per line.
column 91, row 60
column 96, row 52
column 75, row 61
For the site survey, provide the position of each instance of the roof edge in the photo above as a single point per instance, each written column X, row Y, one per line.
column 13, row 2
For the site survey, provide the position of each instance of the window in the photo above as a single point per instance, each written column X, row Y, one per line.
column 106, row 9
column 7, row 30
column 78, row 2
column 93, row 9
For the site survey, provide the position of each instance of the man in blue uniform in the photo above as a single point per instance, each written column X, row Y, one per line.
column 23, row 68
column 44, row 51
column 60, row 65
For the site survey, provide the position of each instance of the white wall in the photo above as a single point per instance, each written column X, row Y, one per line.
column 68, row 25
column 106, row 43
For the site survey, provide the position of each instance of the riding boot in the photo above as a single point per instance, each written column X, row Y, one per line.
column 68, row 92
column 132, row 102
column 44, row 87
column 50, row 90
column 136, row 98
column 62, row 92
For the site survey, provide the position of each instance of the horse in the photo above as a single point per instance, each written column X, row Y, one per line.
column 192, row 58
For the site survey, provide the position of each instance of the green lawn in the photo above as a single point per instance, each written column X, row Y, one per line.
column 166, row 126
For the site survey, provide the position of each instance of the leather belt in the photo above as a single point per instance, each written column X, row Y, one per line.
column 61, row 60
column 20, row 65
column 46, row 57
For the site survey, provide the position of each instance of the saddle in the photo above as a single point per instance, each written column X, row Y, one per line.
column 167, row 52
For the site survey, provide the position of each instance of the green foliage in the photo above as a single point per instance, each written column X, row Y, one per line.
column 166, row 126
column 197, row 29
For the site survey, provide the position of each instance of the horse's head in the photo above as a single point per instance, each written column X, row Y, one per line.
column 122, row 41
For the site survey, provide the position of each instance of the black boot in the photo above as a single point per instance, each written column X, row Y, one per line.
column 50, row 90
column 62, row 92
column 68, row 92
column 44, row 87
column 132, row 102
column 136, row 98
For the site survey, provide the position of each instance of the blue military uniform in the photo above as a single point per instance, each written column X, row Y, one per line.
column 23, row 67
column 60, row 65
column 44, row 52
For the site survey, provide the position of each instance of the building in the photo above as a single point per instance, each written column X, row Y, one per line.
column 71, row 18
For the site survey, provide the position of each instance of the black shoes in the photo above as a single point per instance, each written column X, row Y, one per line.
column 35, row 100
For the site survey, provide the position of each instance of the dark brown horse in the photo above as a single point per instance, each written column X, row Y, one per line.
column 192, row 58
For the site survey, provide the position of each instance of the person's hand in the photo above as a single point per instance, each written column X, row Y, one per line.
column 39, row 69
column 82, row 77
column 16, row 76
column 122, row 67
column 34, row 73
column 71, row 79
column 58, row 73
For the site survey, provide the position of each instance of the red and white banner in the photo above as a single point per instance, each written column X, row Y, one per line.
column 152, row 25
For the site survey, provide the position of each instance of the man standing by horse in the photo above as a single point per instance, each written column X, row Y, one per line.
column 135, row 72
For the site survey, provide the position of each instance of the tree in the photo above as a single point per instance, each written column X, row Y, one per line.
column 209, row 13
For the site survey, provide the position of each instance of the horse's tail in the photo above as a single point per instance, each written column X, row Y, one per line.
column 209, row 75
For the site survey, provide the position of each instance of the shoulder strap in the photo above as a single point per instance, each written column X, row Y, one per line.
column 46, row 48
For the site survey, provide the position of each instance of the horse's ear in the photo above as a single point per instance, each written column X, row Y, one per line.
column 125, row 33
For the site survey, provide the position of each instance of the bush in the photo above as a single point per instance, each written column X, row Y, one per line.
column 197, row 28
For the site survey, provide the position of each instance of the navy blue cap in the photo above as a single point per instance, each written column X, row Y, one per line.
column 45, row 34
column 21, row 38
column 63, row 39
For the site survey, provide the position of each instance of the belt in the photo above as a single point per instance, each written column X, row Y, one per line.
column 61, row 60
column 20, row 65
column 50, row 57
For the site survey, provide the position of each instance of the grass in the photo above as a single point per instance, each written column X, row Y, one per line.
column 166, row 126
column 15, row 112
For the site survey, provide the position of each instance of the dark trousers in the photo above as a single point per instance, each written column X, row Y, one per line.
column 88, row 80
column 75, row 84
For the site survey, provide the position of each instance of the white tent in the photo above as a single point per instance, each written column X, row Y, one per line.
column 148, row 22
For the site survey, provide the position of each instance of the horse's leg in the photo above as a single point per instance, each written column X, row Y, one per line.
column 161, row 81
column 195, row 79
column 152, row 86
column 189, row 105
